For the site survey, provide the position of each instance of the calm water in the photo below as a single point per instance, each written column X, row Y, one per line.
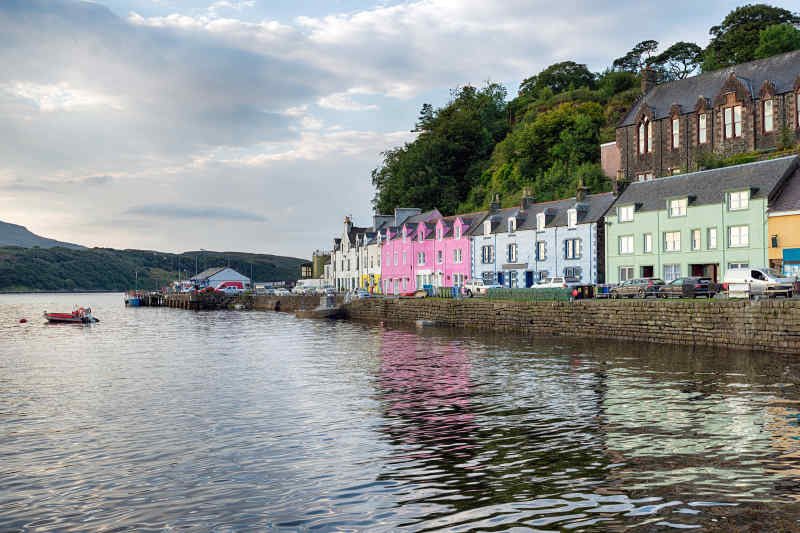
column 159, row 419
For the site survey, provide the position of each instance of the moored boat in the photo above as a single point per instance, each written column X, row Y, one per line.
column 79, row 315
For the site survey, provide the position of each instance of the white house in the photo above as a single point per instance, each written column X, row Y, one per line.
column 214, row 276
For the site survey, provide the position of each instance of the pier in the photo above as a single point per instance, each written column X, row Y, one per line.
column 215, row 301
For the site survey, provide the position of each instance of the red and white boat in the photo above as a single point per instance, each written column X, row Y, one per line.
column 79, row 315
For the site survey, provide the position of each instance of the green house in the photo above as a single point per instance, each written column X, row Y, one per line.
column 697, row 224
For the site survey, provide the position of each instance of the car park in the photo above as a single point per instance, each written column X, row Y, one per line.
column 556, row 282
column 689, row 287
column 637, row 288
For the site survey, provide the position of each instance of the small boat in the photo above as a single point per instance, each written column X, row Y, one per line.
column 79, row 315
column 133, row 299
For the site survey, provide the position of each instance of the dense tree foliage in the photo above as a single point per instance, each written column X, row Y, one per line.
column 777, row 39
column 62, row 269
column 737, row 38
column 548, row 137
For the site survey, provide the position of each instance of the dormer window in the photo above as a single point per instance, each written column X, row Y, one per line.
column 625, row 213
column 732, row 117
column 769, row 117
column 458, row 232
column 540, row 221
column 420, row 234
column 572, row 218
column 405, row 233
column 487, row 227
column 677, row 208
column 738, row 200
column 512, row 224
column 439, row 233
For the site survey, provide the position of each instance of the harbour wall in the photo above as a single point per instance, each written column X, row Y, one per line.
column 766, row 325
column 285, row 303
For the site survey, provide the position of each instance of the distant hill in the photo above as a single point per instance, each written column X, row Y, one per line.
column 14, row 235
column 70, row 269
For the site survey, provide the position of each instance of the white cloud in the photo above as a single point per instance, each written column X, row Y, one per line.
column 343, row 101
column 59, row 96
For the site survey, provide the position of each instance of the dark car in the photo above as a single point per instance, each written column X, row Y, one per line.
column 637, row 288
column 691, row 287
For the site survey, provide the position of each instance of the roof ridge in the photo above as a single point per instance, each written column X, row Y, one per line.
column 698, row 172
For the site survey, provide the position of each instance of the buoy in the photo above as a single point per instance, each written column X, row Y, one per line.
column 575, row 293
column 23, row 320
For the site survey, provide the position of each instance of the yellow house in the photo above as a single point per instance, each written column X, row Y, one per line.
column 784, row 229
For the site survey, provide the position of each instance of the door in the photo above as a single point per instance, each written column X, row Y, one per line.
column 647, row 271
column 528, row 279
column 500, row 278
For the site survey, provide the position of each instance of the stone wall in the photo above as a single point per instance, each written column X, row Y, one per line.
column 286, row 303
column 771, row 325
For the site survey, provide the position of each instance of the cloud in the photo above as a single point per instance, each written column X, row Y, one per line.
column 59, row 96
column 344, row 101
column 177, row 211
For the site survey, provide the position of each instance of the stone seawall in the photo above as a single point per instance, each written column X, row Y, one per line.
column 771, row 325
column 287, row 303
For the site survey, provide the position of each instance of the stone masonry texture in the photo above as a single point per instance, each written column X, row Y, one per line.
column 767, row 325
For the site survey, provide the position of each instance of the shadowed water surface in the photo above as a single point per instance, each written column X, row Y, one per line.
column 160, row 419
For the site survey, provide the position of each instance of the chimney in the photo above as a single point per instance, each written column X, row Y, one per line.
column 580, row 195
column 619, row 184
column 649, row 78
column 527, row 199
column 494, row 207
column 348, row 224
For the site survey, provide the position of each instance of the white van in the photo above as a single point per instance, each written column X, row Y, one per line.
column 743, row 282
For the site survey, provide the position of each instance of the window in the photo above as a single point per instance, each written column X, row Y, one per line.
column 626, row 244
column 649, row 136
column 769, row 120
column 733, row 121
column 572, row 218
column 420, row 234
column 438, row 234
column 439, row 257
column 645, row 176
column 642, row 139
column 488, row 278
column 695, row 239
column 572, row 272
column 404, row 258
column 512, row 279
column 512, row 253
column 457, row 257
column 738, row 236
column 572, row 249
column 672, row 272
column 458, row 232
column 487, row 254
column 512, row 225
column 541, row 248
column 625, row 273
column 420, row 258
column 676, row 133
column 702, row 129
column 677, row 208
column 712, row 238
column 672, row 241
column 738, row 200
column 405, row 283
column 625, row 213
column 648, row 243
column 738, row 265
column 540, row 222
column 395, row 259
column 487, row 227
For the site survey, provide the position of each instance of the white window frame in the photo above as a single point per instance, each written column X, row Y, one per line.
column 650, row 147
column 572, row 218
column 737, row 121
column 420, row 258
column 541, row 220
column 541, row 250
column 512, row 224
column 738, row 200
column 642, row 142
column 625, row 244
column 695, row 244
column 702, row 128
column 439, row 256
column 573, row 248
column 672, row 241
column 439, row 233
column 647, row 243
column 625, row 273
column 676, row 133
column 769, row 116
column 674, row 271
column 457, row 256
column 457, row 230
column 625, row 213
column 512, row 252
column 727, row 121
column 738, row 236
column 395, row 258
column 678, row 207
column 487, row 254
column 487, row 227
column 711, row 238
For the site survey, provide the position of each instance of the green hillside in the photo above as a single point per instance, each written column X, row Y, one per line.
column 63, row 269
column 548, row 137
column 15, row 235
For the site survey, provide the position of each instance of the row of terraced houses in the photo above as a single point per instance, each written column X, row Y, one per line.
column 663, row 219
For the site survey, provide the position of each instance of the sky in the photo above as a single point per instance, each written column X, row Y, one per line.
column 253, row 125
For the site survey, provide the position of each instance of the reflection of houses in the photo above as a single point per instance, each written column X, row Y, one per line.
column 212, row 277
column 518, row 246
column 697, row 224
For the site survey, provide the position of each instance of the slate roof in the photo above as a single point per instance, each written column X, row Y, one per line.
column 470, row 219
column 207, row 273
column 709, row 186
column 782, row 70
column 789, row 197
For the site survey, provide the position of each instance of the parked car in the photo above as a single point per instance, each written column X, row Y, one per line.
column 690, row 287
column 557, row 281
column 229, row 290
column 760, row 281
column 637, row 288
column 361, row 293
column 478, row 286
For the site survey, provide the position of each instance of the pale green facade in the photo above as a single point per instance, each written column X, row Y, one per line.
column 696, row 256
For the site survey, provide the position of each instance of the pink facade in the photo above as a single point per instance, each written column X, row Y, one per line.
column 433, row 253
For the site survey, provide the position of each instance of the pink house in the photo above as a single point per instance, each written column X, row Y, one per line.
column 434, row 252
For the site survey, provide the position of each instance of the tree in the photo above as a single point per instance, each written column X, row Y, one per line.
column 736, row 39
column 678, row 61
column 777, row 39
column 637, row 58
column 425, row 119
column 560, row 77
